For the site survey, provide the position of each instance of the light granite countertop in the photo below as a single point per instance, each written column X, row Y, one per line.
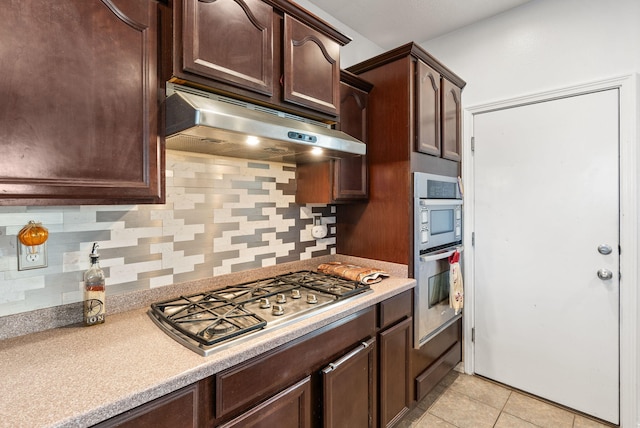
column 75, row 376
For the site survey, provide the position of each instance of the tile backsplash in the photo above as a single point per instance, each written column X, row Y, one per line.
column 222, row 215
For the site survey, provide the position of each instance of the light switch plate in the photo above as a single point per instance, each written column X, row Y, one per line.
column 32, row 259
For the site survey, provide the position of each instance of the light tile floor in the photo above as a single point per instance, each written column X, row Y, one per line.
column 464, row 401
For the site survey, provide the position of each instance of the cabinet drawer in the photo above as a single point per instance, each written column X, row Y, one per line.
column 243, row 385
column 290, row 408
column 438, row 370
column 394, row 309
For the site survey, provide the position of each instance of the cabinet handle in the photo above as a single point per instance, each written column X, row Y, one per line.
column 332, row 366
column 207, row 1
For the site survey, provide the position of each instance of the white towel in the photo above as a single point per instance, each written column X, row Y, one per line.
column 456, row 290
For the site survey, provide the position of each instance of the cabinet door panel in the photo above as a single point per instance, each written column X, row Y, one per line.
column 79, row 117
column 350, row 174
column 451, row 121
column 230, row 41
column 349, row 389
column 427, row 109
column 395, row 344
column 311, row 67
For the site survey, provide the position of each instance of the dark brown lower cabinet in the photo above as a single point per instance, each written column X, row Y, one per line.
column 349, row 389
column 290, row 408
column 395, row 399
column 355, row 372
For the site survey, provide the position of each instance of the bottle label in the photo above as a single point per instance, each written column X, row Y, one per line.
column 94, row 310
column 94, row 319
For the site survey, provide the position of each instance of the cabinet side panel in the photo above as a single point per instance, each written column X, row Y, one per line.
column 380, row 229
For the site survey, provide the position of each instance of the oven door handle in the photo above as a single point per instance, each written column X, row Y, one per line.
column 442, row 254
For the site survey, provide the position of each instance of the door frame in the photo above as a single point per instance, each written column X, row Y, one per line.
column 629, row 127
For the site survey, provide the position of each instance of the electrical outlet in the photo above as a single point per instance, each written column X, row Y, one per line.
column 32, row 257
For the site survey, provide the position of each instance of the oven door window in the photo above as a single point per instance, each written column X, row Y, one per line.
column 439, row 289
column 441, row 221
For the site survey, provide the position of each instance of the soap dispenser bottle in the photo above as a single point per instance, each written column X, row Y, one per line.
column 94, row 291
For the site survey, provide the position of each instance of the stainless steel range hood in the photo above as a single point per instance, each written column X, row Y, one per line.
column 207, row 123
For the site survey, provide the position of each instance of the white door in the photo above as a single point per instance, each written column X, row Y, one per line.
column 546, row 197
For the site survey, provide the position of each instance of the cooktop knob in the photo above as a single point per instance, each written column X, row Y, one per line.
column 312, row 299
column 264, row 303
column 295, row 294
column 277, row 310
column 281, row 298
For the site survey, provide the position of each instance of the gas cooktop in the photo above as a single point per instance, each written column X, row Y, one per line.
column 204, row 322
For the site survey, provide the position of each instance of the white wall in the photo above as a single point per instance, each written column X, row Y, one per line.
column 542, row 45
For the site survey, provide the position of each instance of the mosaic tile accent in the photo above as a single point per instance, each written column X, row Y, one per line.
column 222, row 215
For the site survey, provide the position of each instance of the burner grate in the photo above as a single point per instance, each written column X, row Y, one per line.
column 207, row 317
column 325, row 283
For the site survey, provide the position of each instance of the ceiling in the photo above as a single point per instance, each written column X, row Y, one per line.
column 390, row 24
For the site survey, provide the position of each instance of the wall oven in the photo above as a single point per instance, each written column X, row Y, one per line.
column 437, row 236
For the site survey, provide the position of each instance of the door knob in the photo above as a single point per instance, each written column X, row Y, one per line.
column 604, row 249
column 605, row 274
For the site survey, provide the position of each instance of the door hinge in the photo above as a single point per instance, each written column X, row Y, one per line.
column 473, row 334
column 473, row 239
column 473, row 144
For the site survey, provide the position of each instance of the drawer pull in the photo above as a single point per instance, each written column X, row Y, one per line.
column 332, row 366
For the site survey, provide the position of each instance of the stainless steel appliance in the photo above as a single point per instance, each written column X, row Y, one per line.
column 438, row 234
column 205, row 322
column 204, row 122
column 438, row 211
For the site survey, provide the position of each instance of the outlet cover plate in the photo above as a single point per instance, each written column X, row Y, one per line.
column 32, row 259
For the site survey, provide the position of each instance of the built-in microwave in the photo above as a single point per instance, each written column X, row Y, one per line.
column 437, row 212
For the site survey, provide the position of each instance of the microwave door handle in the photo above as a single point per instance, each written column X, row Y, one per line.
column 440, row 255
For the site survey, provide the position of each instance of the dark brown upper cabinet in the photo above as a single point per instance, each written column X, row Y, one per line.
column 437, row 105
column 340, row 180
column 411, row 114
column 269, row 52
column 438, row 114
column 79, row 116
